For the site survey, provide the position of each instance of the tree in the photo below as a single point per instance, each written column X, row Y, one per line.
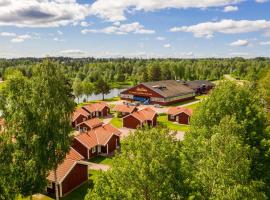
column 101, row 87
column 54, row 103
column 223, row 171
column 147, row 168
column 243, row 103
column 154, row 72
column 88, row 88
column 264, row 85
column 24, row 166
column 78, row 88
column 37, row 113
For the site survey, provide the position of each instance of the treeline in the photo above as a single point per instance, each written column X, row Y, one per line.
column 138, row 70
column 117, row 73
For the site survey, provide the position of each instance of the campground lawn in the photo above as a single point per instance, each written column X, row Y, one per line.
column 102, row 160
column 163, row 120
column 117, row 122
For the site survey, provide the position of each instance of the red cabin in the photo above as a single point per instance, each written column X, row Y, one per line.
column 71, row 174
column 89, row 125
column 123, row 110
column 101, row 140
column 180, row 115
column 99, row 109
column 140, row 118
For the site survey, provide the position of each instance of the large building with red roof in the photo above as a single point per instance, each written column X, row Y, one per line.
column 104, row 139
column 140, row 118
column 71, row 173
column 180, row 114
column 159, row 92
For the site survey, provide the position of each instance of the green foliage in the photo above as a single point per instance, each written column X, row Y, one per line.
column 147, row 168
column 101, row 87
column 264, row 85
column 37, row 114
column 248, row 131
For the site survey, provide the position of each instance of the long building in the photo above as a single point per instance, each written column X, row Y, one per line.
column 161, row 92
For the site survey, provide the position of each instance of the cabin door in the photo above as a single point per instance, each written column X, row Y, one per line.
column 99, row 149
column 177, row 119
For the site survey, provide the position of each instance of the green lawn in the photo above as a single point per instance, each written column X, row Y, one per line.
column 121, row 85
column 184, row 102
column 34, row 198
column 117, row 122
column 193, row 106
column 101, row 160
column 163, row 120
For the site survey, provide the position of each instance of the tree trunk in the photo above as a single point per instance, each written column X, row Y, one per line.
column 56, row 185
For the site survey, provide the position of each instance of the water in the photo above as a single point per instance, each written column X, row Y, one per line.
column 113, row 93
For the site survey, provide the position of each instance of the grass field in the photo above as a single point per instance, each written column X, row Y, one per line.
column 117, row 122
column 102, row 160
column 163, row 120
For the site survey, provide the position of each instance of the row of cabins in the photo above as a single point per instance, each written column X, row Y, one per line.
column 134, row 118
column 93, row 138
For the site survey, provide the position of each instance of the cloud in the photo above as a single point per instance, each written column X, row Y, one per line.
column 7, row 34
column 122, row 29
column 167, row 46
column 265, row 43
column 230, row 8
column 42, row 13
column 160, row 38
column 239, row 43
column 85, row 24
column 261, row 1
column 21, row 38
column 226, row 26
column 60, row 33
column 73, row 52
column 115, row 10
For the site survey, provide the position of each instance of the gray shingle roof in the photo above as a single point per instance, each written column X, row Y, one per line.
column 169, row 88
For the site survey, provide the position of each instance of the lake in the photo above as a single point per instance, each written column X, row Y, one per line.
column 113, row 93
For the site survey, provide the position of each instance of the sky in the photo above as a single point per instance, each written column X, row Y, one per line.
column 135, row 28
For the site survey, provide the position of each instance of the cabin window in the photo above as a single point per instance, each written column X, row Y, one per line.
column 172, row 117
column 94, row 150
column 49, row 185
column 84, row 129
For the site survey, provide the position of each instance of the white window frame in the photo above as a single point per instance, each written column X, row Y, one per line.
column 84, row 129
column 94, row 150
column 50, row 185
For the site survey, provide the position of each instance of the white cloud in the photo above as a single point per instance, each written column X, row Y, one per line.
column 60, row 33
column 122, row 29
column 21, row 38
column 160, row 38
column 73, row 52
column 261, row 1
column 226, row 26
column 265, row 43
column 42, row 13
column 167, row 46
column 85, row 24
column 7, row 34
column 115, row 10
column 239, row 43
column 230, row 8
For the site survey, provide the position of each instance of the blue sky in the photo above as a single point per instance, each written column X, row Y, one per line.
column 135, row 28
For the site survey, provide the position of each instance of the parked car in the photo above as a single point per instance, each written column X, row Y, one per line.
column 157, row 106
column 137, row 103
